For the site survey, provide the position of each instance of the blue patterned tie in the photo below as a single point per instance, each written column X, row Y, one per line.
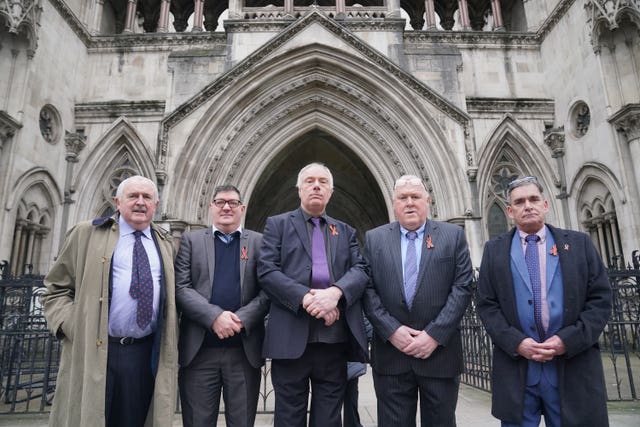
column 533, row 265
column 410, row 268
column 320, row 271
column 141, row 287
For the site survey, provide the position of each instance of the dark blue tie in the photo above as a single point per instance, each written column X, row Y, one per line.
column 141, row 282
column 533, row 265
column 410, row 268
column 320, row 270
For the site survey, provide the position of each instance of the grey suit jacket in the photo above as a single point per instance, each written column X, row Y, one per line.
column 443, row 292
column 195, row 266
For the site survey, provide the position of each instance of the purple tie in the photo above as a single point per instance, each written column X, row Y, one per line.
column 533, row 265
column 410, row 268
column 320, row 271
column 141, row 282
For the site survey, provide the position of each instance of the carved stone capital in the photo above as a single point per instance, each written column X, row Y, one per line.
column 606, row 14
column 8, row 127
column 627, row 121
column 74, row 143
column 554, row 139
column 472, row 173
column 22, row 17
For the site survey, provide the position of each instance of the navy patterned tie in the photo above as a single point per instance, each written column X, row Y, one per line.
column 533, row 265
column 141, row 287
column 320, row 270
column 410, row 268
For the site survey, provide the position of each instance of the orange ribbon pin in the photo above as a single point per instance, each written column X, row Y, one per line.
column 430, row 243
column 334, row 231
column 243, row 253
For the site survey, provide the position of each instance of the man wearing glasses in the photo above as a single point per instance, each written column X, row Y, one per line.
column 222, row 324
column 544, row 298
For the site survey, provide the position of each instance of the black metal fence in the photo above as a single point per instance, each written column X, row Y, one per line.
column 29, row 355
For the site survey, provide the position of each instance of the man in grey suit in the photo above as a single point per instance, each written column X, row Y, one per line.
column 310, row 267
column 419, row 290
column 544, row 297
column 223, row 310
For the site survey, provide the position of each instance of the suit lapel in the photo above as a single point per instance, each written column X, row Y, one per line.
column 244, row 249
column 210, row 255
column 517, row 255
column 432, row 232
column 396, row 253
column 333, row 240
column 552, row 258
column 298, row 222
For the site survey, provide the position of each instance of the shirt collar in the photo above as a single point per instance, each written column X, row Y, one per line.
column 542, row 233
column 214, row 229
column 420, row 230
column 306, row 216
column 125, row 228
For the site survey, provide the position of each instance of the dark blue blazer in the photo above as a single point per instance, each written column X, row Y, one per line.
column 586, row 306
column 284, row 272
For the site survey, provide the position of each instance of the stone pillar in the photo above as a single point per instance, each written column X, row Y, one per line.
column 74, row 143
column 15, row 252
column 627, row 122
column 496, row 10
column 430, row 14
column 463, row 14
column 601, row 240
column 340, row 9
column 288, row 8
column 130, row 16
column 613, row 227
column 235, row 8
column 554, row 139
column 31, row 241
column 97, row 17
column 163, row 20
column 198, row 15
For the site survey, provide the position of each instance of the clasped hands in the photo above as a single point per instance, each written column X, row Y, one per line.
column 541, row 351
column 413, row 342
column 323, row 304
column 226, row 325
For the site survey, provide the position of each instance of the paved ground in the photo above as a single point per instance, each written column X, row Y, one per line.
column 473, row 411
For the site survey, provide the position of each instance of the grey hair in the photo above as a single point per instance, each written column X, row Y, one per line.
column 523, row 181
column 409, row 180
column 309, row 166
column 137, row 178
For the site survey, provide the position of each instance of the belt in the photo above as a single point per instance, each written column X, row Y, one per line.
column 129, row 340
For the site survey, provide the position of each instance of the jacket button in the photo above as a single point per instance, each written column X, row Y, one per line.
column 104, row 259
column 98, row 342
column 530, row 302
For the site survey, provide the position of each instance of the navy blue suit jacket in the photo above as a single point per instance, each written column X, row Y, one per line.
column 586, row 302
column 284, row 272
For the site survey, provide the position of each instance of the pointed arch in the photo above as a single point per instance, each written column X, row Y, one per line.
column 509, row 152
column 597, row 193
column 120, row 152
column 32, row 208
column 318, row 88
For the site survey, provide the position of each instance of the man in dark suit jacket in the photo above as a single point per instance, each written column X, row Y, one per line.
column 420, row 288
column 312, row 271
column 544, row 318
column 223, row 310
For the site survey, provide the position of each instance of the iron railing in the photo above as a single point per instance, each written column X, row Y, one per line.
column 30, row 355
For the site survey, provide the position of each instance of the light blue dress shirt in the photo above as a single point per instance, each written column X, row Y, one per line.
column 419, row 242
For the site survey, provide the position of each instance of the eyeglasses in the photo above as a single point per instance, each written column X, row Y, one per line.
column 219, row 203
column 522, row 181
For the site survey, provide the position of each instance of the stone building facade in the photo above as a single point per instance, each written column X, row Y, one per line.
column 467, row 94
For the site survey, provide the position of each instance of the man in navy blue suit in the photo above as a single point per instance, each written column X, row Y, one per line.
column 311, row 269
column 544, row 298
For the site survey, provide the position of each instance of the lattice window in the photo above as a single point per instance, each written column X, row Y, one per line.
column 125, row 170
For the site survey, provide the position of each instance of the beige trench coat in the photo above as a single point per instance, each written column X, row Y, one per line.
column 76, row 306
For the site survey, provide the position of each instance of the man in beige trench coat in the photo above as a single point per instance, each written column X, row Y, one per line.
column 89, row 304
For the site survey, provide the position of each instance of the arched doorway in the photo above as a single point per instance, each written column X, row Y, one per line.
column 356, row 199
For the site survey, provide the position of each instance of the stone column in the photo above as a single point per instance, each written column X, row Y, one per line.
column 340, row 9
column 601, row 239
column 627, row 122
column 430, row 15
column 613, row 226
column 74, row 143
column 288, row 8
column 163, row 20
column 198, row 15
column 97, row 17
column 130, row 16
column 496, row 10
column 463, row 14
column 235, row 8
column 31, row 241
column 15, row 252
column 554, row 139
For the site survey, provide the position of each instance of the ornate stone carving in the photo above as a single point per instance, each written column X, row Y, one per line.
column 605, row 14
column 8, row 127
column 74, row 143
column 50, row 124
column 119, row 108
column 627, row 121
column 554, row 139
column 542, row 109
column 22, row 16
